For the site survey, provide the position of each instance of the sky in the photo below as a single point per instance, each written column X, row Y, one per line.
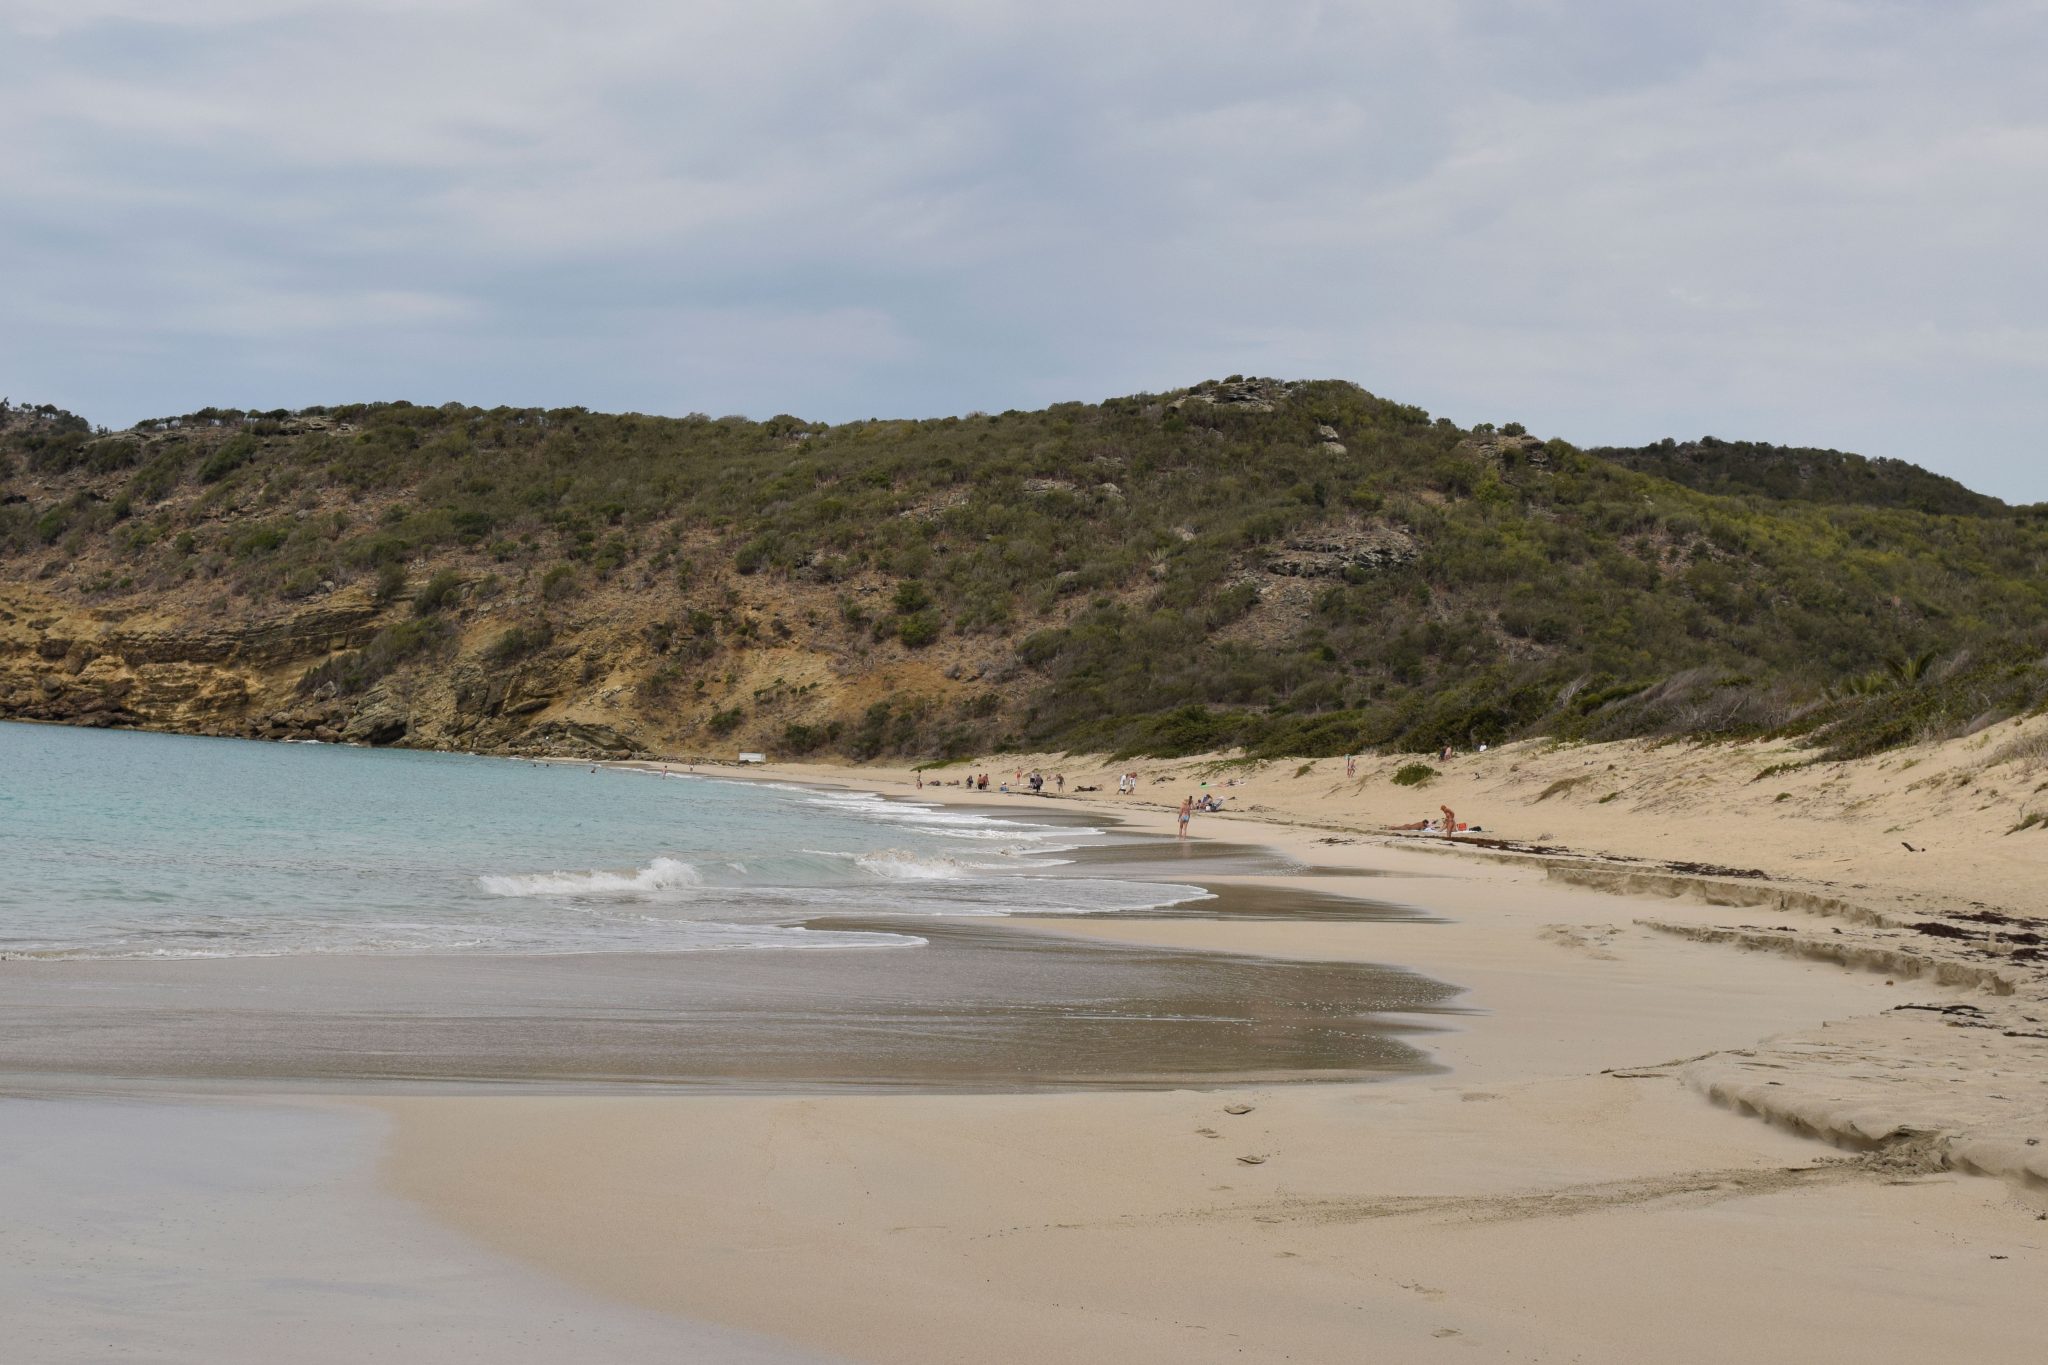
column 1813, row 222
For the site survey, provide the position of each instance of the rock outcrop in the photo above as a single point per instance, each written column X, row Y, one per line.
column 1336, row 552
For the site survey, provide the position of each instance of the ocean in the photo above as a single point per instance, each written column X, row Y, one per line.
column 134, row 845
column 204, row 912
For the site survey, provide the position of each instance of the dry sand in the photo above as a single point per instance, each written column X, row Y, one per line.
column 1567, row 1191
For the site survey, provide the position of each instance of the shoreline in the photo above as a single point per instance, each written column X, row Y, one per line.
column 1573, row 1146
column 1587, row 1179
column 974, row 1006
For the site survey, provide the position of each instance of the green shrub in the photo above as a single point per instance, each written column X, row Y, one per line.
column 557, row 583
column 919, row 630
column 1413, row 774
column 390, row 583
column 872, row 734
column 359, row 669
column 803, row 739
column 516, row 642
column 609, row 557
column 444, row 588
column 255, row 541
column 231, row 455
column 302, row 581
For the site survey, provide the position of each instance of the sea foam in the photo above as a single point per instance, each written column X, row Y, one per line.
column 663, row 874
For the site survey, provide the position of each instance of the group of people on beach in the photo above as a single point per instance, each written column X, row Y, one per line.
column 1208, row 803
column 1447, row 826
column 1035, row 784
column 1190, row 805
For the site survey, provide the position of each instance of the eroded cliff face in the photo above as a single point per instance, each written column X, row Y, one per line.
column 615, row 682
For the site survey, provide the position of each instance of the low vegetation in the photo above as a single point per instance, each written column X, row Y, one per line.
column 1290, row 569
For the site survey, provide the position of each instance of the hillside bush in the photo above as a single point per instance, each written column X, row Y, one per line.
column 1118, row 561
column 442, row 590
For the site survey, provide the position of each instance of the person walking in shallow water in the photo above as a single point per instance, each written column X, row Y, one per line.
column 1187, row 813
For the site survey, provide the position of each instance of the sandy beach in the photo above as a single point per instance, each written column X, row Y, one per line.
column 1668, row 1062
column 1684, row 1120
column 674, row 682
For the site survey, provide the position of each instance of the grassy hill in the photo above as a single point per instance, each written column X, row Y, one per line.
column 1290, row 567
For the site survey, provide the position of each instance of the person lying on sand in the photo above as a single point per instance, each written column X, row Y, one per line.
column 1434, row 827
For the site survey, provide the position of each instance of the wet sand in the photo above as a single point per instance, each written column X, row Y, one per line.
column 253, row 1234
column 1558, row 1195
column 983, row 1005
column 193, row 1144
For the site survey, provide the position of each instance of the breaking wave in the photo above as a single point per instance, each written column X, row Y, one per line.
column 663, row 874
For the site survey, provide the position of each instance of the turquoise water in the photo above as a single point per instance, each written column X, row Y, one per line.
column 131, row 845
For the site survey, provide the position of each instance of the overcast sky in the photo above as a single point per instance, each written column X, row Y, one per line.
column 1807, row 221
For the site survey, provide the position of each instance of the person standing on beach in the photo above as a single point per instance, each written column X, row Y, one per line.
column 1059, row 780
column 1450, row 821
column 1187, row 813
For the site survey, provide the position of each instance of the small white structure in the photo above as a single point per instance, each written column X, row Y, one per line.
column 753, row 758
